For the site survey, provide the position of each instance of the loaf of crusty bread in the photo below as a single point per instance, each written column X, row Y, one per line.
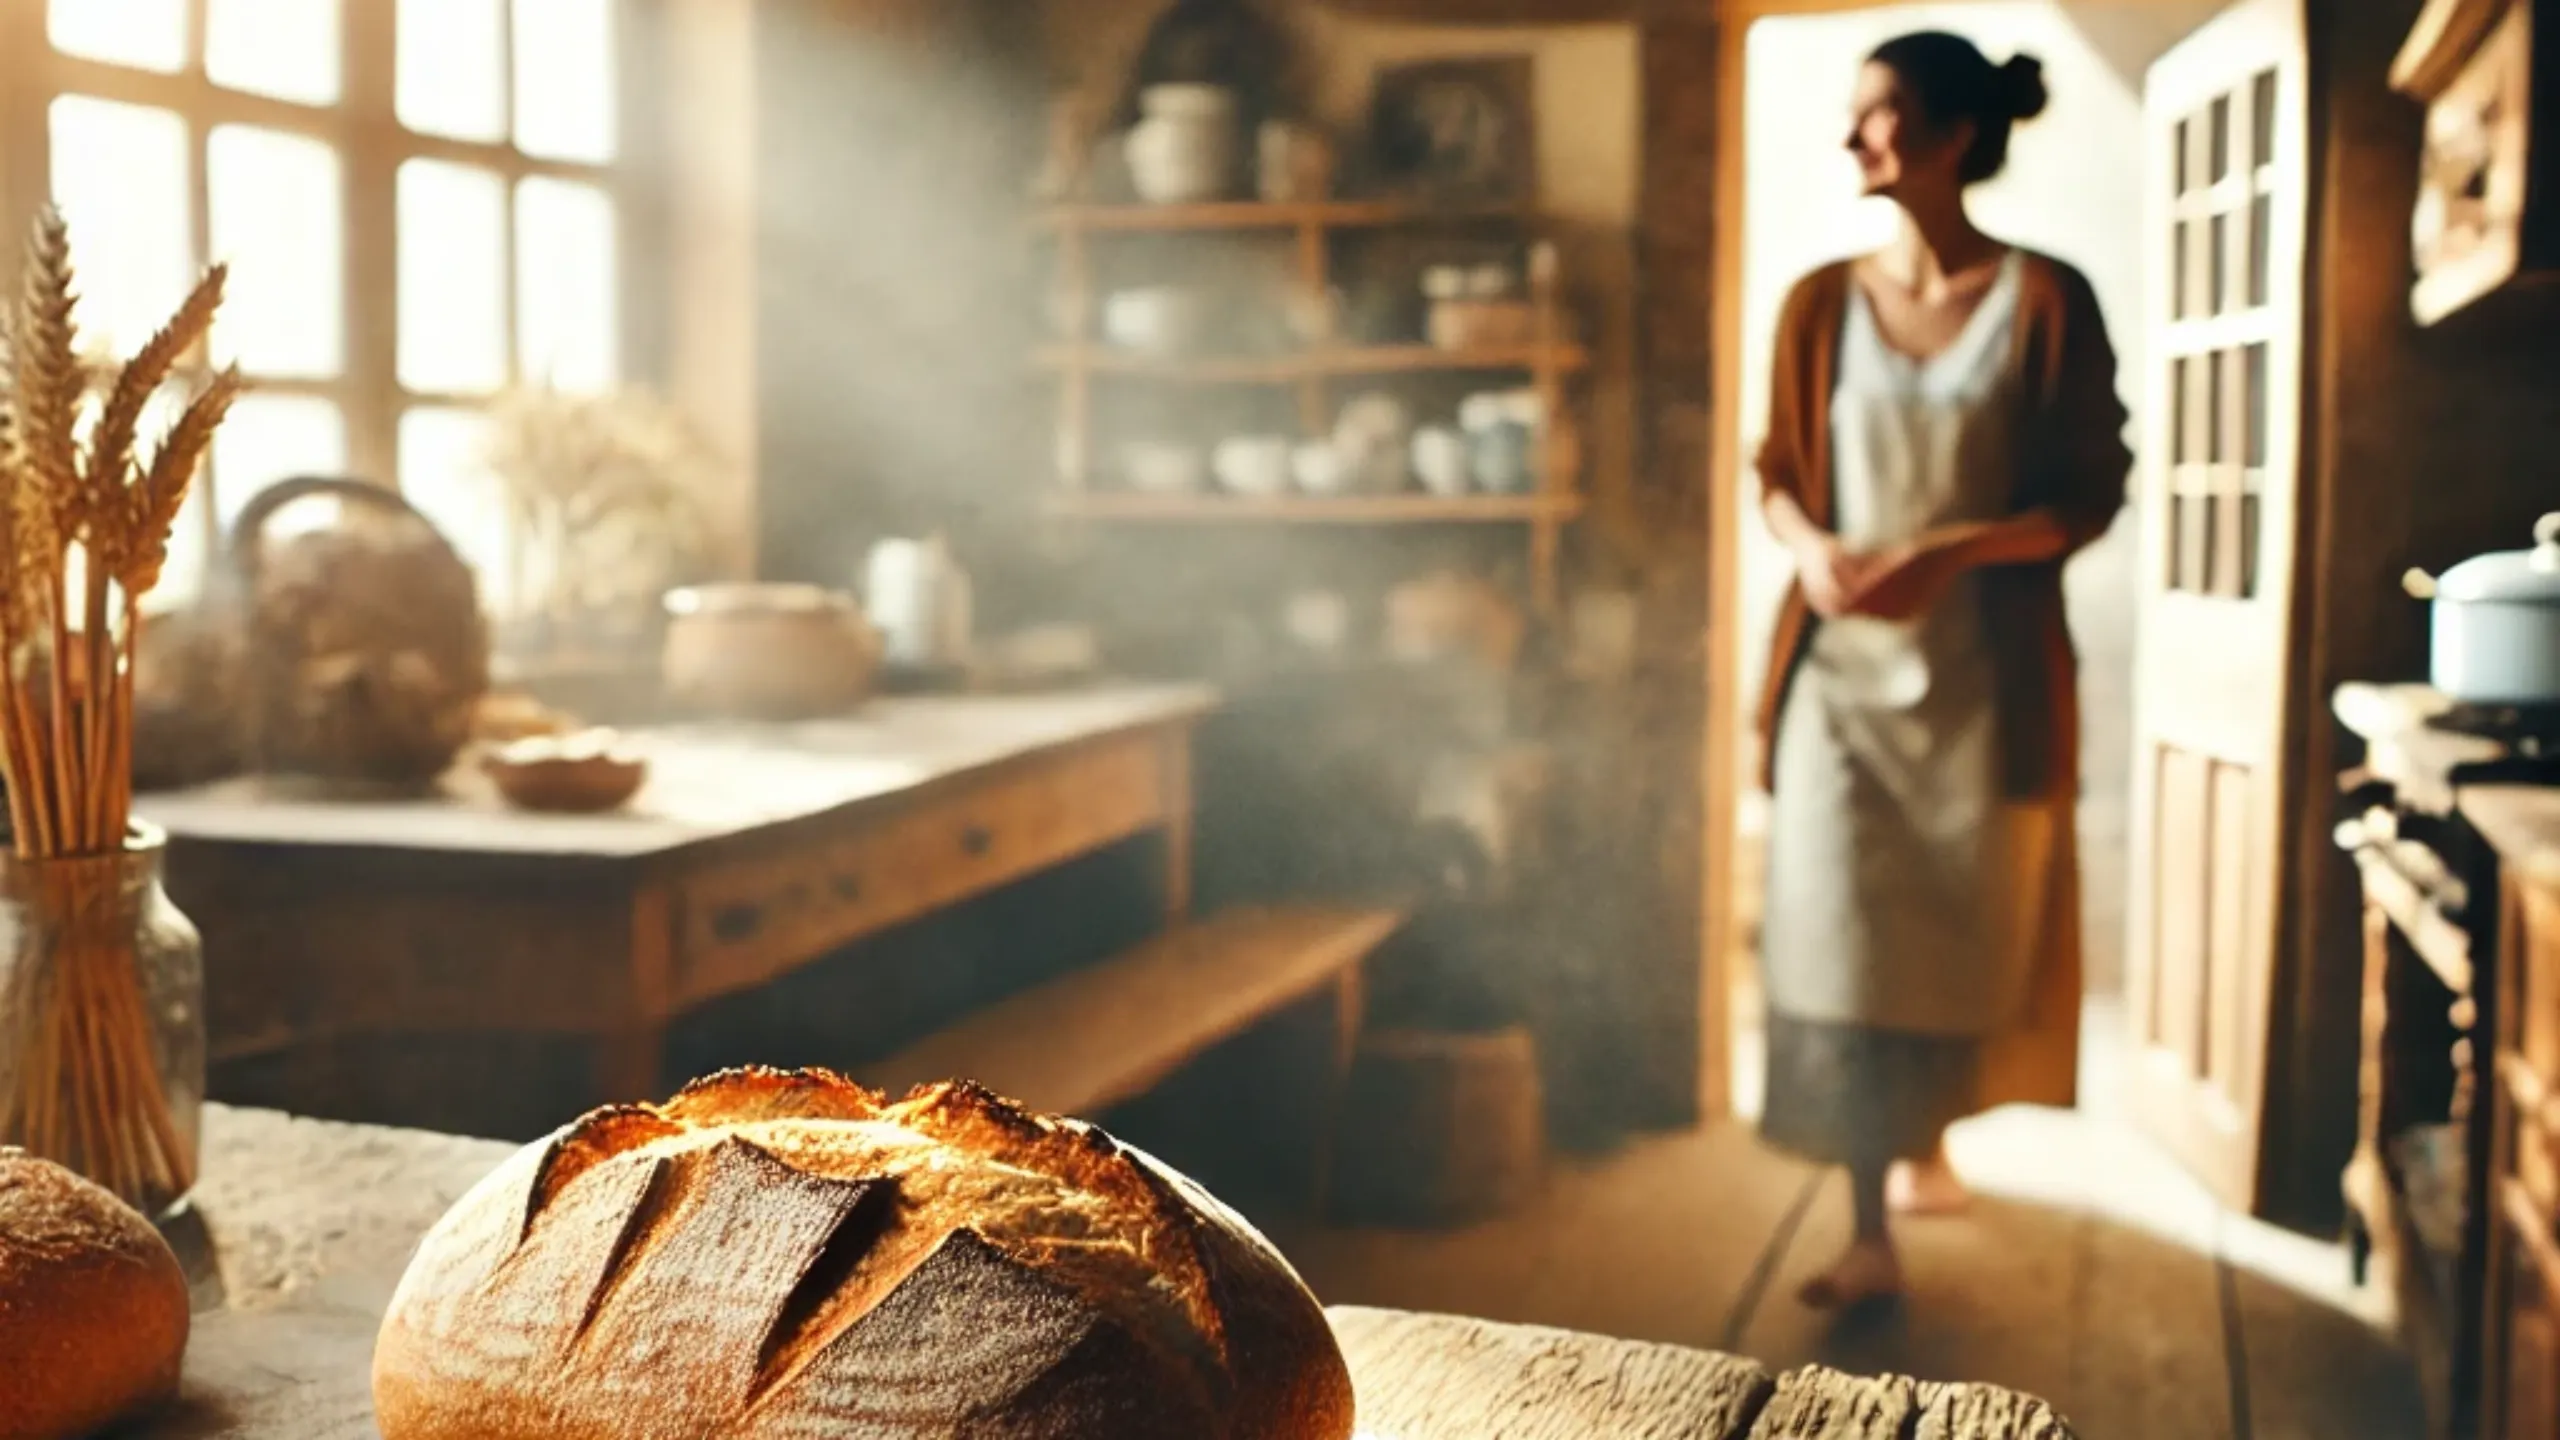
column 788, row 1255
column 93, row 1306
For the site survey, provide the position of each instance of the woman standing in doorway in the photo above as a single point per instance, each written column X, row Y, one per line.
column 1944, row 433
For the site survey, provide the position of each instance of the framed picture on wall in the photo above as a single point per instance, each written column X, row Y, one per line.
column 1457, row 132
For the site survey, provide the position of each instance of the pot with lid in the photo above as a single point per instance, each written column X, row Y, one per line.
column 2495, row 624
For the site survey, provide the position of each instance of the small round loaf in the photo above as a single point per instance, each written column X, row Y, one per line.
column 778, row 1255
column 93, row 1305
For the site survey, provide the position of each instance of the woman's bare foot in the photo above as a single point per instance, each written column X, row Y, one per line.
column 1927, row 1186
column 1867, row 1270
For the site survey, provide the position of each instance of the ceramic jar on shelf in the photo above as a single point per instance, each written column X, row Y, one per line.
column 1503, row 430
column 1187, row 149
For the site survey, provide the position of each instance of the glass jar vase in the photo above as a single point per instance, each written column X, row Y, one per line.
column 102, row 1032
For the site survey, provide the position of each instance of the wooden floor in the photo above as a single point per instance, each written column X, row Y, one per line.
column 2092, row 1273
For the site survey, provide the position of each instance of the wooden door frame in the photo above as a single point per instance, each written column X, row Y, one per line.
column 1720, row 802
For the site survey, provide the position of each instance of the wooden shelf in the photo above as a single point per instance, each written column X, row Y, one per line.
column 1313, row 364
column 1256, row 215
column 1314, row 509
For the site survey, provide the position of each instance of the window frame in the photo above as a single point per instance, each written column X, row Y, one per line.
column 363, row 129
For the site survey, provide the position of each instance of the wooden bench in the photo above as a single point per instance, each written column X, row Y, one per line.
column 1100, row 1036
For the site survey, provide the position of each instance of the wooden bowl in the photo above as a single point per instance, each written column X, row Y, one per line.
column 578, row 774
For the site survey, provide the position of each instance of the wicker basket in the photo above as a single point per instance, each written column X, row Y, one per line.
column 1439, row 1129
column 367, row 652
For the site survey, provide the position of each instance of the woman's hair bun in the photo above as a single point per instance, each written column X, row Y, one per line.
column 2022, row 78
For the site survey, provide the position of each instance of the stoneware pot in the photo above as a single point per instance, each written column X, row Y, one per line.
column 2496, row 624
column 767, row 652
column 1186, row 150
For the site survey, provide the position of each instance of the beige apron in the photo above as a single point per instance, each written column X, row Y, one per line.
column 1905, row 893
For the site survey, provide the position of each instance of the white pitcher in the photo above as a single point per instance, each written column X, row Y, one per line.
column 917, row 596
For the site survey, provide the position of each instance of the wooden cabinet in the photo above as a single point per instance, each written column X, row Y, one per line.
column 2520, row 1367
column 2485, row 212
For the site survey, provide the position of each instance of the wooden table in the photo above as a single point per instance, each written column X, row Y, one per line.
column 753, row 851
column 312, row 1221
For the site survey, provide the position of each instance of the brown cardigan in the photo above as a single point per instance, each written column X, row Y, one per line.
column 2074, row 463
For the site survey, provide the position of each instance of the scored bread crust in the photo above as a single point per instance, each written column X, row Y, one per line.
column 787, row 1255
column 93, row 1305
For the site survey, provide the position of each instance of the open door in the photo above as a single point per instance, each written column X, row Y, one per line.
column 2226, row 176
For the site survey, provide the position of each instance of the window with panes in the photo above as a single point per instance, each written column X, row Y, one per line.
column 416, row 199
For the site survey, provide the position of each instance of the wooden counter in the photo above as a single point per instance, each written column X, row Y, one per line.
column 313, row 1221
column 753, row 851
column 2520, row 1366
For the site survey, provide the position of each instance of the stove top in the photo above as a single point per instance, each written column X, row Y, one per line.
column 2530, row 731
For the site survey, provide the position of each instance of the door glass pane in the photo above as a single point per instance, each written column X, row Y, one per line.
column 270, row 438
column 2262, row 119
column 2216, row 446
column 564, row 79
column 2253, row 447
column 2262, row 219
column 451, row 75
column 2185, row 169
column 284, row 48
column 453, row 281
column 2221, row 283
column 2178, row 270
column 277, row 218
column 2221, row 140
column 442, row 473
column 120, row 175
column 565, row 284
column 2181, row 448
column 2182, row 541
column 2252, row 520
column 146, row 34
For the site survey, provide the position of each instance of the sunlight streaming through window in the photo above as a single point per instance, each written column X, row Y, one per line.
column 451, row 75
column 443, row 474
column 564, row 79
column 120, row 175
column 145, row 34
column 274, row 437
column 277, row 217
column 287, row 49
column 453, row 282
column 565, row 279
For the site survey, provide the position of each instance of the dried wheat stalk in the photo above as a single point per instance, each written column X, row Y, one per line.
column 84, row 1086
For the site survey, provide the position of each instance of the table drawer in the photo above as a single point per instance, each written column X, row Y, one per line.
column 746, row 920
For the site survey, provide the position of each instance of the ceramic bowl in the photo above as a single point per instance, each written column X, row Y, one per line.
column 577, row 774
column 1254, row 464
column 1160, row 467
column 1155, row 320
column 1319, row 468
